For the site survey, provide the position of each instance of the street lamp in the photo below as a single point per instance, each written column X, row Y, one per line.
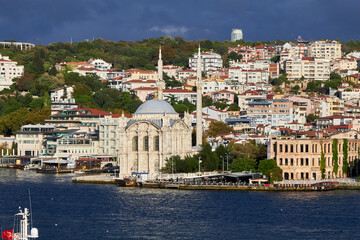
column 222, row 163
column 199, row 164
column 227, row 161
column 172, row 165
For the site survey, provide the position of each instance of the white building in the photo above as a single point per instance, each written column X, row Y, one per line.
column 183, row 74
column 21, row 45
column 308, row 67
column 209, row 61
column 171, row 71
column 8, row 71
column 214, row 86
column 327, row 49
column 30, row 139
column 101, row 64
column 217, row 114
column 248, row 76
column 236, row 34
column 62, row 95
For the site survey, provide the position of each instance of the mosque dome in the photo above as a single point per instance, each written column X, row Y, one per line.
column 155, row 106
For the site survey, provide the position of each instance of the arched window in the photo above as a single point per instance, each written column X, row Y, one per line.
column 135, row 144
column 156, row 143
column 146, row 143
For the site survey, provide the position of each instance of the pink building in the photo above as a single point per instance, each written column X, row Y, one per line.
column 223, row 94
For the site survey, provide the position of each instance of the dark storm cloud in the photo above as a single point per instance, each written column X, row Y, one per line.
column 46, row 21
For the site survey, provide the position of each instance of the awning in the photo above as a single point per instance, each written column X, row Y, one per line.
column 55, row 161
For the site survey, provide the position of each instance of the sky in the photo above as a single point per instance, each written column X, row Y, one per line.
column 47, row 21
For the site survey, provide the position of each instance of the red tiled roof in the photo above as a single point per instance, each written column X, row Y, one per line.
column 144, row 89
column 178, row 90
column 308, row 58
column 140, row 81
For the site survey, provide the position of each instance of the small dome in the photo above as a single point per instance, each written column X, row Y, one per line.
column 155, row 107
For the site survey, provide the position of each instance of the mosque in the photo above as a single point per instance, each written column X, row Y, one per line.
column 155, row 132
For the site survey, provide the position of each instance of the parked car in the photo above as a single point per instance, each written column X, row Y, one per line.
column 111, row 169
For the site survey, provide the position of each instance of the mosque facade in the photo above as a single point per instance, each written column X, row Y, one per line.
column 145, row 141
column 153, row 134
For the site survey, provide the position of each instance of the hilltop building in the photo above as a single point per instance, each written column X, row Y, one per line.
column 8, row 71
column 236, row 34
column 209, row 61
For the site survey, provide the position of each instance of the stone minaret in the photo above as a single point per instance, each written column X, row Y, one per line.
column 199, row 83
column 160, row 82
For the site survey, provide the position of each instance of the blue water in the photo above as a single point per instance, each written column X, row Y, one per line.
column 64, row 210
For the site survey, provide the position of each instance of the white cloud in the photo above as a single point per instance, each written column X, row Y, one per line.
column 170, row 30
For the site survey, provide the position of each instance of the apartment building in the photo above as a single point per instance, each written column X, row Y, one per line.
column 308, row 67
column 141, row 74
column 266, row 65
column 63, row 95
column 209, row 61
column 327, row 49
column 275, row 112
column 186, row 73
column 171, row 71
column 31, row 139
column 8, row 71
column 344, row 63
column 248, row 76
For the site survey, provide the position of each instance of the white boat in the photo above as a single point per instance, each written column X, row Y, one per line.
column 21, row 228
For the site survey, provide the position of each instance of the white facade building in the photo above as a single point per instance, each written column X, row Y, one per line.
column 209, row 61
column 236, row 34
column 101, row 64
column 327, row 49
column 309, row 68
column 8, row 71
column 62, row 95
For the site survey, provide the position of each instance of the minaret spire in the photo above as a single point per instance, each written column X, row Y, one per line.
column 160, row 82
column 199, row 83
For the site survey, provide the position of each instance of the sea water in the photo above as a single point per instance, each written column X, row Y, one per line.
column 65, row 210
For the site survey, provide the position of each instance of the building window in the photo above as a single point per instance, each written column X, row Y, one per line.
column 156, row 143
column 135, row 144
column 146, row 143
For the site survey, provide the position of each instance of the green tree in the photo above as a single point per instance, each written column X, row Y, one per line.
column 234, row 107
column 207, row 101
column 37, row 103
column 335, row 156
column 243, row 164
column 210, row 160
column 216, row 128
column 53, row 71
column 221, row 104
column 269, row 168
column 322, row 162
column 234, row 56
column 180, row 108
column 311, row 118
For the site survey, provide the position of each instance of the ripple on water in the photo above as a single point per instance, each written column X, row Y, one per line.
column 63, row 210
